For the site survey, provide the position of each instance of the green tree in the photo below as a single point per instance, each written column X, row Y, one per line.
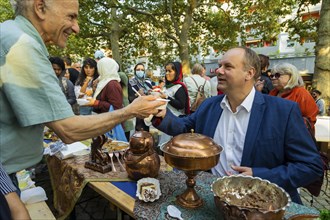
column 167, row 30
column 184, row 28
column 6, row 11
column 322, row 52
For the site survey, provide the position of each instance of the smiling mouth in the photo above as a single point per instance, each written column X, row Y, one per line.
column 67, row 35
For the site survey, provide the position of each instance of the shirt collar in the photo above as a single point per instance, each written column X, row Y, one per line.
column 246, row 104
column 30, row 30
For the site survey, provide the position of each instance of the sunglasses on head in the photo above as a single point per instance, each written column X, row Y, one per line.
column 275, row 75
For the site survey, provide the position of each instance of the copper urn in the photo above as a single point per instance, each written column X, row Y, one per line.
column 191, row 152
column 141, row 160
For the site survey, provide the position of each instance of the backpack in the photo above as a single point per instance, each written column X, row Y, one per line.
column 200, row 96
column 314, row 188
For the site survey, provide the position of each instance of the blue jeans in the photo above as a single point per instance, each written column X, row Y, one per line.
column 85, row 110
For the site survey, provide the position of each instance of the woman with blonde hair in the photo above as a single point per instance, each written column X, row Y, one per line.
column 289, row 84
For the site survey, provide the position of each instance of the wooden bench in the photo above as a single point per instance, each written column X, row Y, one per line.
column 40, row 210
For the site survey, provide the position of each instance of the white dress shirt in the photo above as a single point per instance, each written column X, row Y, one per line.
column 230, row 134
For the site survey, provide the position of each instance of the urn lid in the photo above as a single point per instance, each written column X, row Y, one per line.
column 191, row 145
column 141, row 141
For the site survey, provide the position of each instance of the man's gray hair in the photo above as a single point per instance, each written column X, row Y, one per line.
column 21, row 7
column 251, row 60
column 197, row 69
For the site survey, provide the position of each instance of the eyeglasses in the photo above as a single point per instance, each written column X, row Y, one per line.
column 276, row 75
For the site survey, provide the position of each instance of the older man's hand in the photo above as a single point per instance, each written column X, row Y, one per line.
column 144, row 106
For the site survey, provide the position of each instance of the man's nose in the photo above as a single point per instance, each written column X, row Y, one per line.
column 75, row 27
column 219, row 71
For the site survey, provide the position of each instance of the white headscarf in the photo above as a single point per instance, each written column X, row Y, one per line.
column 108, row 70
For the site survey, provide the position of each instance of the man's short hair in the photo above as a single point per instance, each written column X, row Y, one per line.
column 317, row 91
column 21, row 7
column 197, row 69
column 58, row 61
column 67, row 60
column 251, row 59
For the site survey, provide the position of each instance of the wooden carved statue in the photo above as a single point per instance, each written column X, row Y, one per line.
column 99, row 160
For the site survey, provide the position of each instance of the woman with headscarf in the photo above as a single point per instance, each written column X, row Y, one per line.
column 176, row 91
column 143, row 86
column 108, row 91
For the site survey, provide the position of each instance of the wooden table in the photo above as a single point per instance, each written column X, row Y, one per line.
column 121, row 200
column 40, row 210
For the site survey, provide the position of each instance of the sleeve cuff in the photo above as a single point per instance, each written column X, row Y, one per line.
column 96, row 103
column 156, row 121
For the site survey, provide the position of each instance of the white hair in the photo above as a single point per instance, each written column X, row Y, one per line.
column 13, row 4
column 287, row 68
column 21, row 7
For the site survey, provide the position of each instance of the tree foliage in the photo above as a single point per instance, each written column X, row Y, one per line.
column 170, row 30
column 6, row 11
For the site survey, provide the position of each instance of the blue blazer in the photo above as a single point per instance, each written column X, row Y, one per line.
column 277, row 145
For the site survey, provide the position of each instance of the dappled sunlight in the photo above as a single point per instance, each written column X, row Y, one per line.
column 324, row 51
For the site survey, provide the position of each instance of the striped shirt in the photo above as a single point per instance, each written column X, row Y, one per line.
column 6, row 186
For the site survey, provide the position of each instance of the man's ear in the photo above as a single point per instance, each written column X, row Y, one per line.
column 250, row 74
column 40, row 8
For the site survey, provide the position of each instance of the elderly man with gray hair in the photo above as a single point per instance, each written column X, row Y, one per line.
column 30, row 97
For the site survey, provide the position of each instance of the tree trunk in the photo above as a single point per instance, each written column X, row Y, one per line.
column 114, row 38
column 184, row 56
column 321, row 79
column 184, row 37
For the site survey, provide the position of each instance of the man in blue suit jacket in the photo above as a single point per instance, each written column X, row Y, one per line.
column 262, row 136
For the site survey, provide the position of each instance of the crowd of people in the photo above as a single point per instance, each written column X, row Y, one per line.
column 257, row 115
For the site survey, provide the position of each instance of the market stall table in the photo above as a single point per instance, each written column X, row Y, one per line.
column 322, row 133
column 122, row 200
column 69, row 177
column 122, row 194
column 40, row 210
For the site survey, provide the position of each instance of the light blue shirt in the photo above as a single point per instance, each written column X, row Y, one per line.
column 29, row 95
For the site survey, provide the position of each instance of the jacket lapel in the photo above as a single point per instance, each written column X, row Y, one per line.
column 257, row 112
column 215, row 118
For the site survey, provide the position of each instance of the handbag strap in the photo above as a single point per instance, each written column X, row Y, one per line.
column 197, row 84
